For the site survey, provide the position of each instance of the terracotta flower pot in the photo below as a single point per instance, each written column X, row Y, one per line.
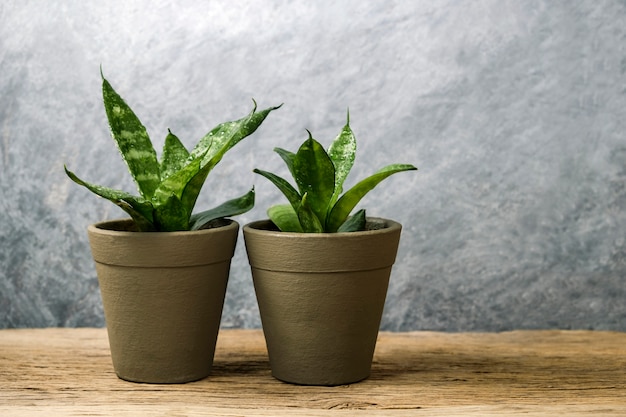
column 321, row 298
column 163, row 295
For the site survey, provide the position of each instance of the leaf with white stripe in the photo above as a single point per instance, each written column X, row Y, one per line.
column 132, row 141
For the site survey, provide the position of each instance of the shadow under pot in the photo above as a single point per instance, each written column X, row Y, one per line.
column 321, row 298
column 163, row 294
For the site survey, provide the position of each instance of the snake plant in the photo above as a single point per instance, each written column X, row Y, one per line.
column 169, row 187
column 318, row 204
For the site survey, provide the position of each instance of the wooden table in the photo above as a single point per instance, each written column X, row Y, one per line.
column 68, row 372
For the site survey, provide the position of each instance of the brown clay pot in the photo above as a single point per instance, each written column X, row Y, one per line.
column 321, row 298
column 163, row 294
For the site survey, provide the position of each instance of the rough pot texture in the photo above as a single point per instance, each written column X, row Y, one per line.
column 163, row 295
column 321, row 298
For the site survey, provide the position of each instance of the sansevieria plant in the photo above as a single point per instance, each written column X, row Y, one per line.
column 321, row 293
column 318, row 204
column 169, row 187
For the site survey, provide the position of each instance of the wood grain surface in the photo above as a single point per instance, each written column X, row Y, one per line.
column 68, row 372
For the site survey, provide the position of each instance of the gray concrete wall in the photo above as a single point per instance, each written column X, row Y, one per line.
column 514, row 111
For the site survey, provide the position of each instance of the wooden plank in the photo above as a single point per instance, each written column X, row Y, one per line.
column 68, row 372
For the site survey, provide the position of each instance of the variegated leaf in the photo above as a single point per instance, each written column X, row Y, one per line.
column 175, row 156
column 132, row 141
column 139, row 209
column 218, row 141
column 342, row 152
column 215, row 144
column 171, row 215
column 176, row 183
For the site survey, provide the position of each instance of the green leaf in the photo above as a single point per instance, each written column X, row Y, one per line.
column 139, row 209
column 215, row 144
column 218, row 141
column 315, row 176
column 341, row 210
column 174, row 156
column 192, row 188
column 308, row 219
column 172, row 215
column 132, row 140
column 283, row 185
column 176, row 184
column 230, row 208
column 288, row 157
column 354, row 223
column 285, row 218
column 342, row 152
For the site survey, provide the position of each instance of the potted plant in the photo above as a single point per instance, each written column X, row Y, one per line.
column 163, row 272
column 321, row 274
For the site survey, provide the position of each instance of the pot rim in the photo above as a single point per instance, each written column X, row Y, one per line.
column 261, row 227
column 273, row 250
column 111, row 227
column 161, row 249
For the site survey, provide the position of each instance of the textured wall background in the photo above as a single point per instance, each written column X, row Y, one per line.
column 514, row 111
